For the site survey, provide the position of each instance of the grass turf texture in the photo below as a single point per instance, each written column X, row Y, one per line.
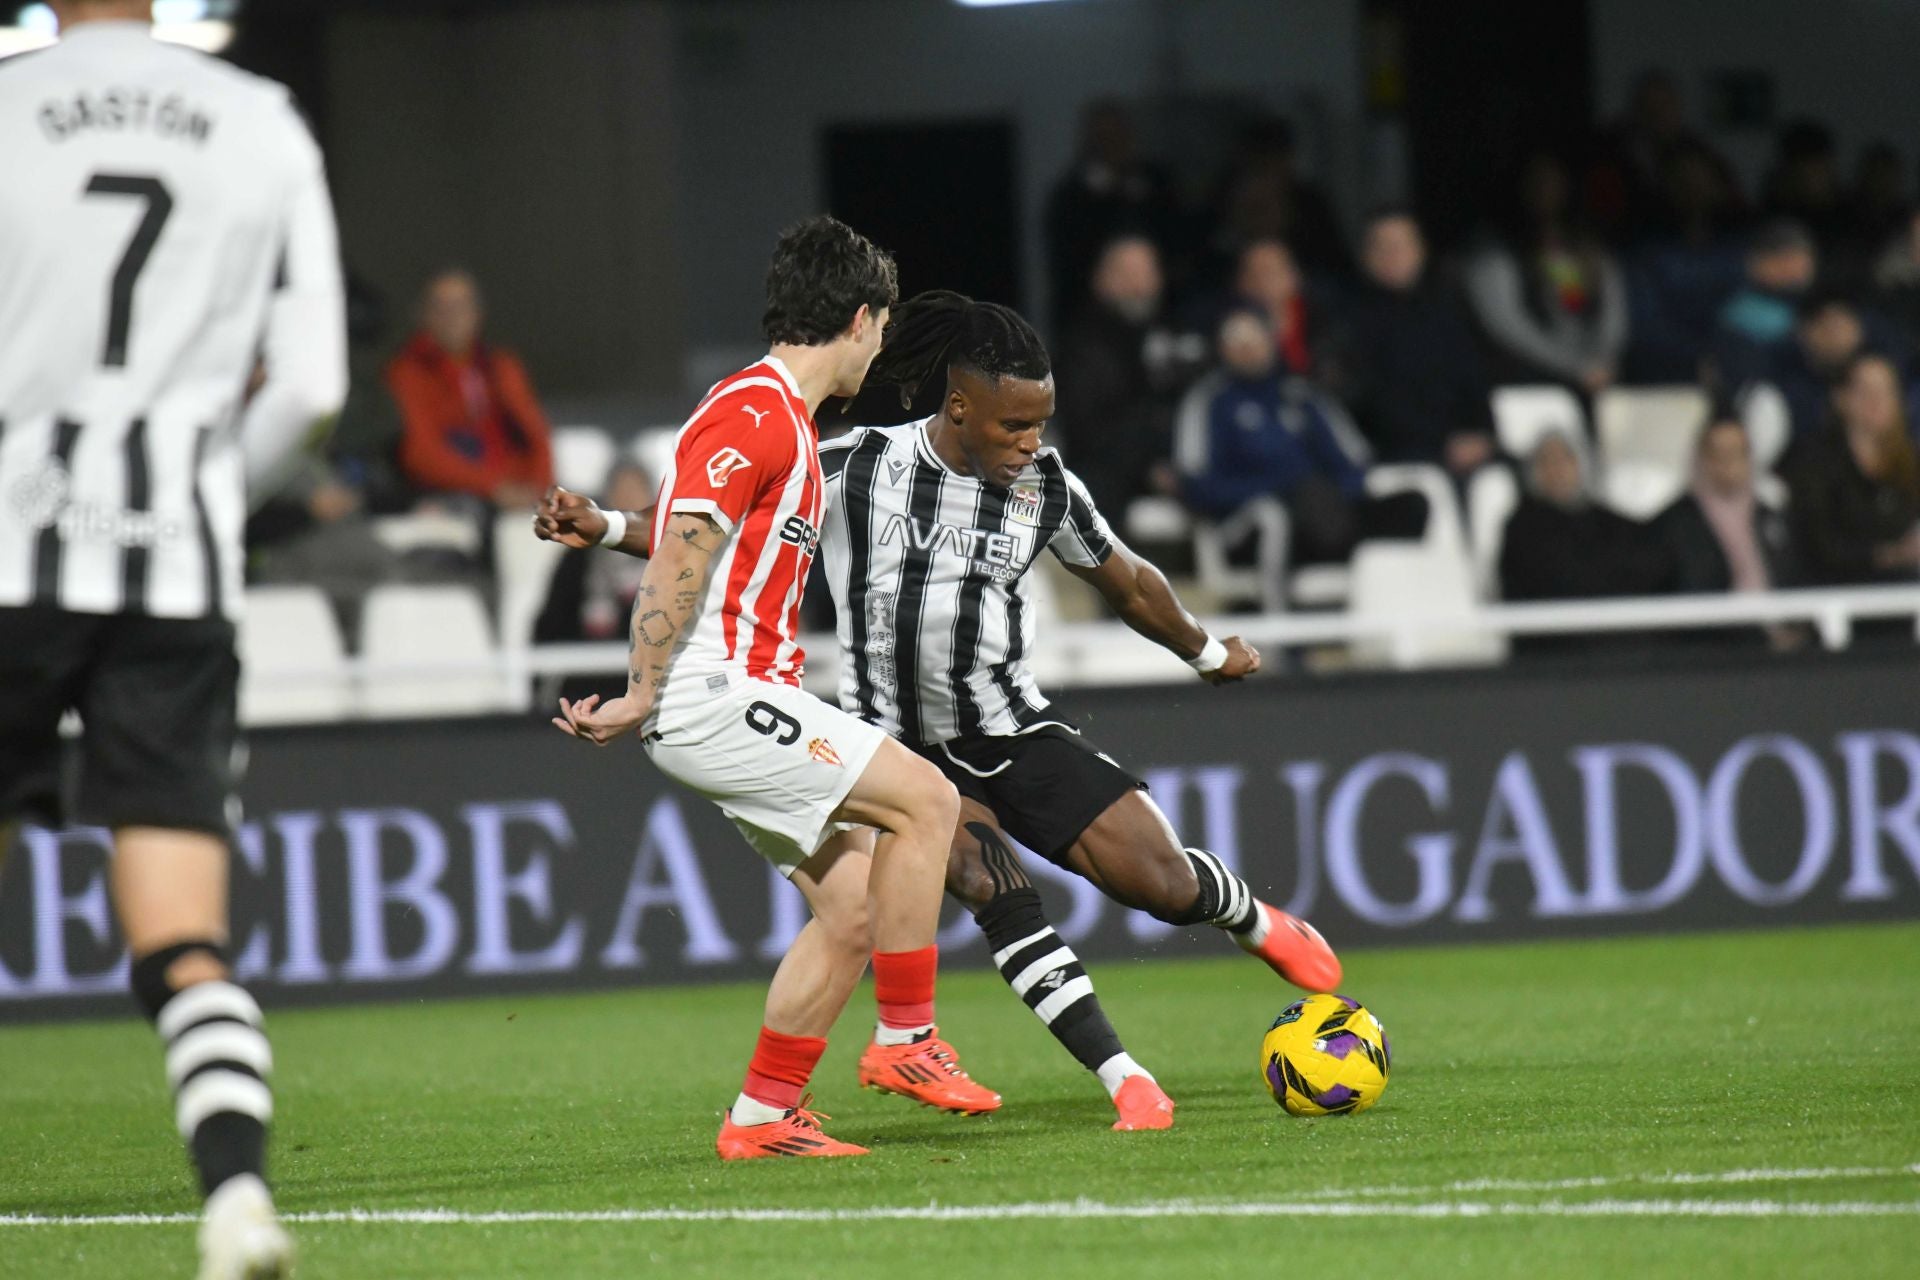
column 1788, row 1049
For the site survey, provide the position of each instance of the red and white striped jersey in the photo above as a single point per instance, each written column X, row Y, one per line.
column 749, row 457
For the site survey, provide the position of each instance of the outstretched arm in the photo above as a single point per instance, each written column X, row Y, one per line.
column 1143, row 598
column 575, row 520
column 669, row 592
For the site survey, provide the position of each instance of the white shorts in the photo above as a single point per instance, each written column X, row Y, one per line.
column 776, row 759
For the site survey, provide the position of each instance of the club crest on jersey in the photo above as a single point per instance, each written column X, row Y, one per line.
column 822, row 750
column 722, row 465
column 1023, row 505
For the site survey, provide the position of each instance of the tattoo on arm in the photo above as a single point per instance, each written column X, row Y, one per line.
column 653, row 629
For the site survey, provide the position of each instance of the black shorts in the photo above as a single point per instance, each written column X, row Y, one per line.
column 1045, row 786
column 156, row 698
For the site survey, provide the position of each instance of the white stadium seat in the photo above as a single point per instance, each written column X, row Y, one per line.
column 523, row 570
column 1492, row 495
column 1428, row 585
column 428, row 531
column 582, row 456
column 1521, row 415
column 292, row 661
column 1639, row 489
column 1769, row 423
column 1656, row 425
column 437, row 648
column 653, row 449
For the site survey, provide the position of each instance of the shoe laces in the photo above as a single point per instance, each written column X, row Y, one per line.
column 807, row 1118
column 941, row 1054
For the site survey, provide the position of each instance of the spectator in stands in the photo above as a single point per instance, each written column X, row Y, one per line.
column 1408, row 366
column 1265, row 198
column 1896, row 279
column 1804, row 182
column 1628, row 187
column 1877, row 205
column 1108, row 191
column 470, row 423
column 591, row 596
column 1686, row 264
column 315, row 532
column 1117, row 375
column 1856, row 486
column 1720, row 535
column 1827, row 334
column 1549, row 297
column 1781, row 264
column 1562, row 545
column 1267, row 277
column 1266, row 436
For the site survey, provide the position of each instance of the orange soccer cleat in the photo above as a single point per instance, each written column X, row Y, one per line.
column 928, row 1072
column 1142, row 1104
column 1295, row 950
column 796, row 1134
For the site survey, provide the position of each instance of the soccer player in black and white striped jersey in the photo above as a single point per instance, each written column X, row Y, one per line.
column 932, row 529
column 166, row 239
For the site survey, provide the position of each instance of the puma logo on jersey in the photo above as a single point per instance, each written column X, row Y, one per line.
column 759, row 415
column 722, row 465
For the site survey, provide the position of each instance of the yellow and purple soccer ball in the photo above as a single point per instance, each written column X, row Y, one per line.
column 1325, row 1056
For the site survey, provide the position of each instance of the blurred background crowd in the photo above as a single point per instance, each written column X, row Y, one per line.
column 1550, row 343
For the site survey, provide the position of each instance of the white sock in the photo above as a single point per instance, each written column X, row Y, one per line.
column 1251, row 938
column 884, row 1034
column 1114, row 1071
column 752, row 1111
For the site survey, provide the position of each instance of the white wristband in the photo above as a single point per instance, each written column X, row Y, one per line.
column 616, row 528
column 1212, row 657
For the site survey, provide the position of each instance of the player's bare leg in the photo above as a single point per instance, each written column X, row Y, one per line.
column 811, row 987
column 984, row 874
column 914, row 809
column 1132, row 854
column 170, row 890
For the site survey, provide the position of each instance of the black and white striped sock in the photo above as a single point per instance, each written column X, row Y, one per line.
column 1044, row 972
column 218, row 1063
column 1225, row 901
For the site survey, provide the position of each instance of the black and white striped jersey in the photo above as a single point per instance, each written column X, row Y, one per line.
column 929, row 576
column 164, row 230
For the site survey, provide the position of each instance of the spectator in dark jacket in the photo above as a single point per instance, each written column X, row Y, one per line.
column 1720, row 535
column 1896, row 280
column 1267, row 436
column 1856, row 486
column 1408, row 366
column 1562, row 545
column 1109, row 191
column 1781, row 264
column 1115, row 401
column 1265, row 198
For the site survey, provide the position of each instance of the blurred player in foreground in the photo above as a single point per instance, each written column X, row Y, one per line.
column 714, row 693
column 165, row 239
column 932, row 529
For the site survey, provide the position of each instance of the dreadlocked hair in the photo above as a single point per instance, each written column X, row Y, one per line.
column 939, row 330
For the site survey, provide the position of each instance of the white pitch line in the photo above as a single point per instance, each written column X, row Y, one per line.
column 1063, row 1210
column 1716, row 1177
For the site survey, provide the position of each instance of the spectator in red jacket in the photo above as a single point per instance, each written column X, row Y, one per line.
column 470, row 423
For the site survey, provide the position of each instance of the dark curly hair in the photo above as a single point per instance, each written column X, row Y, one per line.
column 823, row 271
column 939, row 330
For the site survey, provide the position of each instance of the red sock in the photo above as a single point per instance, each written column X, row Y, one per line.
column 781, row 1066
column 903, row 985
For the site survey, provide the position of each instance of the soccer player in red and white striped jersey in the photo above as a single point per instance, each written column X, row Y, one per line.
column 714, row 691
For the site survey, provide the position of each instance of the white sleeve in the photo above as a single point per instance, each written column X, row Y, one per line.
column 305, row 346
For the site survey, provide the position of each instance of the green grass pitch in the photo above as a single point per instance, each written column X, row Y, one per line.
column 1544, row 1097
